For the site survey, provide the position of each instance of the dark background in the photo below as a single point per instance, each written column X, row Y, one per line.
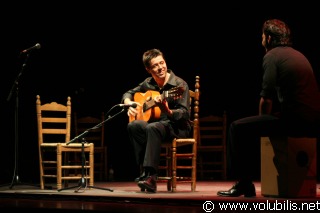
column 92, row 52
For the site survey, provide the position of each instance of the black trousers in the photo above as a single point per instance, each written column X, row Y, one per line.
column 243, row 144
column 146, row 139
column 243, row 141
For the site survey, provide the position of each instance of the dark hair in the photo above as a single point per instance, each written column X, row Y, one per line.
column 279, row 31
column 149, row 55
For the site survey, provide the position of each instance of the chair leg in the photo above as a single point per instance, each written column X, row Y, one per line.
column 59, row 169
column 174, row 166
column 91, row 170
column 194, row 168
column 41, row 170
column 169, row 169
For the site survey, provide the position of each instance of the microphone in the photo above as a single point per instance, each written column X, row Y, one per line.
column 134, row 105
column 37, row 46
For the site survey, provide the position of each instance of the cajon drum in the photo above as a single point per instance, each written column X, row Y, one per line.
column 288, row 167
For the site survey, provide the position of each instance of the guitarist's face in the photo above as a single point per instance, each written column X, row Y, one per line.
column 158, row 68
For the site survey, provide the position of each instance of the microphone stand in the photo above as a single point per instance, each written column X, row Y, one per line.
column 83, row 182
column 15, row 88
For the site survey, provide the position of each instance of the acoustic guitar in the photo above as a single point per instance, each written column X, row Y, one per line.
column 148, row 109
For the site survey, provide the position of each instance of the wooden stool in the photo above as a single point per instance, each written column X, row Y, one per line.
column 288, row 167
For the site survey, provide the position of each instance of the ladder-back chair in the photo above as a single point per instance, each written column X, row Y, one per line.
column 96, row 134
column 179, row 157
column 54, row 130
column 212, row 147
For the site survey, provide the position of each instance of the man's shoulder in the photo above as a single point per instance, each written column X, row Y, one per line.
column 177, row 79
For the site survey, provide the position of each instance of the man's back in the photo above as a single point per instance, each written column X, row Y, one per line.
column 290, row 72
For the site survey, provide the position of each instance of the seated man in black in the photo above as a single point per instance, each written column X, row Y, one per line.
column 147, row 134
column 288, row 78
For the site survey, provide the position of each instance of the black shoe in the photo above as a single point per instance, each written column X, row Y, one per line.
column 149, row 184
column 141, row 177
column 240, row 188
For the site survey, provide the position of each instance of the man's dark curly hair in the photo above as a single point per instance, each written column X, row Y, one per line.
column 279, row 31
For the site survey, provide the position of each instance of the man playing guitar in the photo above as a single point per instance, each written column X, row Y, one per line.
column 162, row 113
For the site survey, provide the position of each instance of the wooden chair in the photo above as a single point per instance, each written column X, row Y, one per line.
column 95, row 136
column 54, row 129
column 179, row 157
column 212, row 147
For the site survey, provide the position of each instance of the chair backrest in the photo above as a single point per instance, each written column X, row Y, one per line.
column 212, row 146
column 213, row 130
column 194, row 107
column 90, row 123
column 54, row 121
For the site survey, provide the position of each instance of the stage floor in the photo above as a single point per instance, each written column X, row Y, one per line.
column 127, row 197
